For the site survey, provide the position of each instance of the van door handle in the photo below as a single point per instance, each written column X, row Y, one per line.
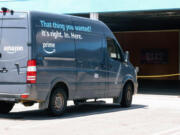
column 17, row 66
column 0, row 55
column 79, row 61
column 3, row 70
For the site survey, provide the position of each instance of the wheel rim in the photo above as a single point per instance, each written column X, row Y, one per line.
column 129, row 94
column 59, row 102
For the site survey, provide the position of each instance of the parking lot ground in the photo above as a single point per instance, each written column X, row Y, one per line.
column 149, row 115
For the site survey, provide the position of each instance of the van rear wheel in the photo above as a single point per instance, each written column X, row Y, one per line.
column 127, row 95
column 6, row 107
column 58, row 102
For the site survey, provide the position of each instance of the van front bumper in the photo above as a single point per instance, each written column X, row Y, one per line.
column 136, row 88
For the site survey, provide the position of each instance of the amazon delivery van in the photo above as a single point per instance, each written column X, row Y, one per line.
column 50, row 59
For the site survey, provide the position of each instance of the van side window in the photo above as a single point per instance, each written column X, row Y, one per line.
column 113, row 49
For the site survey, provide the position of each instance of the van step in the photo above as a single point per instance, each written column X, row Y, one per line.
column 94, row 102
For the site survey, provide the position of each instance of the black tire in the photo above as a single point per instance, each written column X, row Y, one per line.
column 127, row 95
column 58, row 102
column 6, row 107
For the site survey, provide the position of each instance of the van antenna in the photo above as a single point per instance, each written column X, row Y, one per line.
column 12, row 12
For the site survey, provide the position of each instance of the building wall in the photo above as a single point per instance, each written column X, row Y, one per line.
column 136, row 42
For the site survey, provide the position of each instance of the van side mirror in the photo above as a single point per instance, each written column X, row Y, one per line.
column 126, row 56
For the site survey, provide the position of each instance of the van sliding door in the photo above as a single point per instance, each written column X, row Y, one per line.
column 91, row 78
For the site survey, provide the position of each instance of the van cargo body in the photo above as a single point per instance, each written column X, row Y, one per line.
column 49, row 59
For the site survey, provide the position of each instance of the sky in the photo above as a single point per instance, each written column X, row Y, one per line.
column 85, row 6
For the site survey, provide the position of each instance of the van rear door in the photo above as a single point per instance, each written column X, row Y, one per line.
column 13, row 47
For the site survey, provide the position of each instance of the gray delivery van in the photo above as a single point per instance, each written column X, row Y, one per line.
column 50, row 59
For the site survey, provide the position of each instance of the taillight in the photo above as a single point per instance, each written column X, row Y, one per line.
column 31, row 71
column 24, row 95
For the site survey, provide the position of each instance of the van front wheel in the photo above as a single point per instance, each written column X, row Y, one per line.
column 127, row 95
column 58, row 102
column 6, row 107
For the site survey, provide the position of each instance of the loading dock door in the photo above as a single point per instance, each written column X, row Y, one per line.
column 154, row 52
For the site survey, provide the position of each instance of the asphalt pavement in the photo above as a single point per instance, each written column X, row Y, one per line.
column 149, row 114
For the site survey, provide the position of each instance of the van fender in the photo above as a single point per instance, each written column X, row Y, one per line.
column 44, row 105
column 127, row 78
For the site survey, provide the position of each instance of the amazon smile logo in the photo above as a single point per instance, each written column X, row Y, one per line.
column 49, row 48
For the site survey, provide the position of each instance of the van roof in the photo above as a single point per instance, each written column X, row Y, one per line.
column 54, row 14
column 100, row 26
